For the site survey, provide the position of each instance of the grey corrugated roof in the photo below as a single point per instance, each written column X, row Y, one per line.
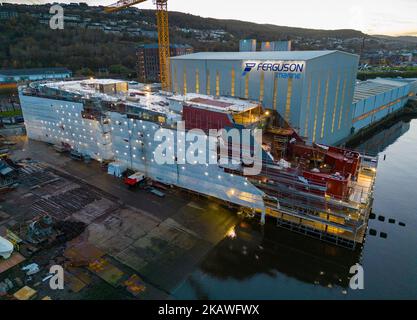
column 258, row 55
column 370, row 88
column 24, row 72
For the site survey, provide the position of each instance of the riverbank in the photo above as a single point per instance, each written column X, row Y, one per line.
column 407, row 113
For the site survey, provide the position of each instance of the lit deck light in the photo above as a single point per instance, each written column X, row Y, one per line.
column 231, row 233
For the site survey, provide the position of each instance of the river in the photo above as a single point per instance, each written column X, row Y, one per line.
column 272, row 263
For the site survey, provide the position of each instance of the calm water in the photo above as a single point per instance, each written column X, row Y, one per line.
column 275, row 264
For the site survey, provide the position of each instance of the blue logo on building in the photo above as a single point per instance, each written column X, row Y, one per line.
column 282, row 70
column 248, row 68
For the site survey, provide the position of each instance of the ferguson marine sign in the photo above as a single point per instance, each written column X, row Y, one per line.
column 283, row 69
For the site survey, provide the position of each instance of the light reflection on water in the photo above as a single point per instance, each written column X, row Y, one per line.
column 273, row 263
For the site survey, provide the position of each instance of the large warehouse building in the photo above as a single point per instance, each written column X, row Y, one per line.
column 311, row 90
column 375, row 99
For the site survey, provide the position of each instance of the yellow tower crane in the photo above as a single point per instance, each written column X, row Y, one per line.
column 163, row 35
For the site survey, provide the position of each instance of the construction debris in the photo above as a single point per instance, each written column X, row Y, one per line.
column 31, row 269
column 82, row 253
column 105, row 270
column 5, row 286
column 26, row 293
column 135, row 285
column 40, row 230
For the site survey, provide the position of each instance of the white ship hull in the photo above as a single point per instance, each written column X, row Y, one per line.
column 131, row 142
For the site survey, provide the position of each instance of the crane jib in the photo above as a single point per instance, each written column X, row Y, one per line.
column 163, row 35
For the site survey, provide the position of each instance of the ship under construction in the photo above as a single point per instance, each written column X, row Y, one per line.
column 317, row 190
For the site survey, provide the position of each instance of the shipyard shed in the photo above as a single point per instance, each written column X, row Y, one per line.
column 375, row 99
column 412, row 82
column 311, row 90
column 16, row 75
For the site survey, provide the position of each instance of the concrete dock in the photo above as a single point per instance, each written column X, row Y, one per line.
column 159, row 240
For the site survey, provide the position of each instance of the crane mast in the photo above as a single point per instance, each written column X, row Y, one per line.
column 163, row 43
column 163, row 35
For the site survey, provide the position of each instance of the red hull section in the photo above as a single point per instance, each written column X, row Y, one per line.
column 205, row 119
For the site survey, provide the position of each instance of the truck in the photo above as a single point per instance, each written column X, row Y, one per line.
column 135, row 179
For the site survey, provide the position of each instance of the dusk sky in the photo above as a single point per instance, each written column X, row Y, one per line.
column 370, row 16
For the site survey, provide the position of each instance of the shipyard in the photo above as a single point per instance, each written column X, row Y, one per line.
column 204, row 173
column 126, row 136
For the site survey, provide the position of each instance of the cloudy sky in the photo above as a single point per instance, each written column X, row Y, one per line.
column 370, row 16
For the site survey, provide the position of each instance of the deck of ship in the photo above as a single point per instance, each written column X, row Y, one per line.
column 347, row 234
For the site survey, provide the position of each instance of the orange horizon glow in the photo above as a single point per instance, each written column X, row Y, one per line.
column 374, row 17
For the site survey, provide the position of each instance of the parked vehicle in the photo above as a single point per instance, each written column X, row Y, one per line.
column 76, row 155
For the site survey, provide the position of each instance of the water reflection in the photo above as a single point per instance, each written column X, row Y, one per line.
column 258, row 256
column 273, row 250
column 384, row 138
